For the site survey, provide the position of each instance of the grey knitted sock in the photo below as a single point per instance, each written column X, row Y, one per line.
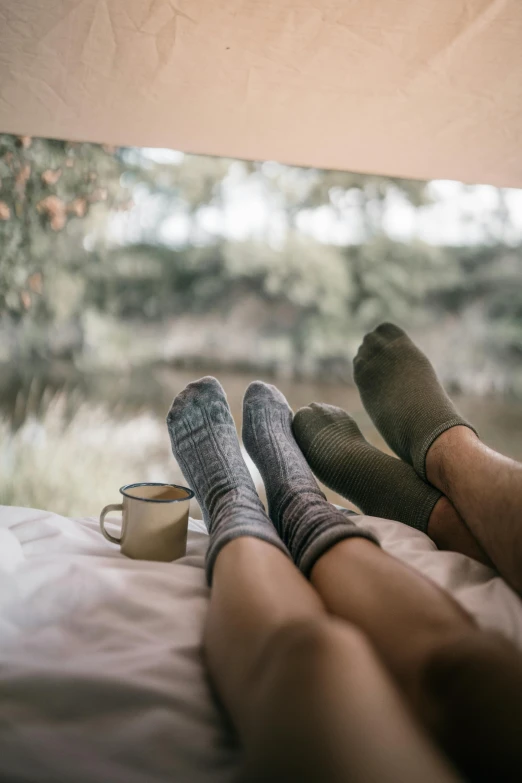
column 341, row 458
column 205, row 444
column 402, row 394
column 306, row 522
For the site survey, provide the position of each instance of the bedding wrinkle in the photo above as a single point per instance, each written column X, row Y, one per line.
column 101, row 667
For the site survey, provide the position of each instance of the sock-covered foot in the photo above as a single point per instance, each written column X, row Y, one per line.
column 341, row 458
column 205, row 445
column 306, row 522
column 402, row 394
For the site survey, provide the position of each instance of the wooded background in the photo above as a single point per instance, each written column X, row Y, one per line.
column 277, row 301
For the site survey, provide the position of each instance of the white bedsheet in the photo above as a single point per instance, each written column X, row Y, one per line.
column 101, row 673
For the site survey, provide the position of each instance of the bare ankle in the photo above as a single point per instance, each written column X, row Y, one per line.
column 449, row 531
column 448, row 444
column 444, row 519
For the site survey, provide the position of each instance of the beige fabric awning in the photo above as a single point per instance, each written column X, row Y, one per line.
column 415, row 88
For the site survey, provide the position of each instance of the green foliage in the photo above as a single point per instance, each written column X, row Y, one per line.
column 491, row 283
column 47, row 190
column 58, row 264
column 393, row 280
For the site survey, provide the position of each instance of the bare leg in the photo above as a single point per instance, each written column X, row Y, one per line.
column 449, row 531
column 301, row 686
column 379, row 485
column 427, row 642
column 486, row 490
column 465, row 684
column 402, row 394
column 306, row 692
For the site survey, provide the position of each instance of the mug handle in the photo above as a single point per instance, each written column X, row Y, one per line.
column 111, row 507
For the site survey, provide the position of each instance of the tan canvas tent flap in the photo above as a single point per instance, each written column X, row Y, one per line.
column 416, row 88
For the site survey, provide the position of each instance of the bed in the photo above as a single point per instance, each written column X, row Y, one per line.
column 101, row 668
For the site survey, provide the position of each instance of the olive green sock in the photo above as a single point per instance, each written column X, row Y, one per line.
column 402, row 394
column 342, row 459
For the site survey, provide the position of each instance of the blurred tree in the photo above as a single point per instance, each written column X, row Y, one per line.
column 47, row 190
column 302, row 189
column 61, row 255
column 488, row 279
column 317, row 293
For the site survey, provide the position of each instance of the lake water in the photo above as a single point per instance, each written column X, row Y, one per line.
column 70, row 439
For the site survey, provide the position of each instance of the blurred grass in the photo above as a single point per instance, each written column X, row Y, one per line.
column 67, row 447
column 75, row 465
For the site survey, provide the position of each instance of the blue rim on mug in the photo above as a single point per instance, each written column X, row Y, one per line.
column 189, row 492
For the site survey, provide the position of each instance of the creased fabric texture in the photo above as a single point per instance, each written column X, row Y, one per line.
column 101, row 667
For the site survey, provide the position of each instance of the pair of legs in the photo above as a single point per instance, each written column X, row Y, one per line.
column 365, row 671
column 447, row 483
column 364, row 674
